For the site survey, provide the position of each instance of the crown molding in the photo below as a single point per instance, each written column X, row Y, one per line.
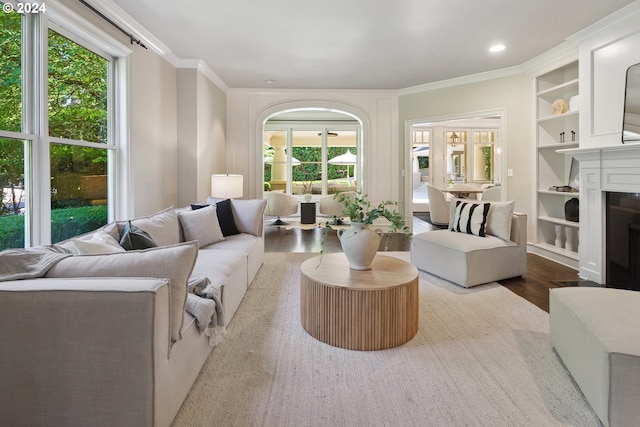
column 616, row 17
column 202, row 66
column 553, row 58
column 458, row 81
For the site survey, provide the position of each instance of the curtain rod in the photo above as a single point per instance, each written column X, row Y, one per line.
column 132, row 39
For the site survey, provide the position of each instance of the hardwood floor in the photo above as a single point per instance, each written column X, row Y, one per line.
column 542, row 274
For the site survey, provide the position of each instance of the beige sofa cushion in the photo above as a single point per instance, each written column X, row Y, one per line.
column 172, row 262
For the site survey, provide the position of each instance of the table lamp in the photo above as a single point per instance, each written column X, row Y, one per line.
column 225, row 186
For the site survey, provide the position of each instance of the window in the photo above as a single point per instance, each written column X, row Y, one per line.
column 14, row 145
column 323, row 160
column 78, row 126
column 57, row 155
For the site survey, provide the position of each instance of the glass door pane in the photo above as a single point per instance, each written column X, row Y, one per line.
column 420, row 167
column 307, row 162
column 13, row 202
column 483, row 158
column 342, row 154
column 456, row 156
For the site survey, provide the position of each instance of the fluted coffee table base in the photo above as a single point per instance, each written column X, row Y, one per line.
column 359, row 310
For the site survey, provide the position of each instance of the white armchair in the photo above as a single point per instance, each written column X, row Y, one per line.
column 438, row 206
column 332, row 207
column 281, row 204
column 491, row 194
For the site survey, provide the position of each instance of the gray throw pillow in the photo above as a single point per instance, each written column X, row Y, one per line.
column 135, row 238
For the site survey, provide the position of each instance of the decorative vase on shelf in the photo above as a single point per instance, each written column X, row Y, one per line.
column 572, row 210
column 307, row 197
column 360, row 244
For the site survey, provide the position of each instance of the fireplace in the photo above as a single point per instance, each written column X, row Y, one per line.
column 623, row 240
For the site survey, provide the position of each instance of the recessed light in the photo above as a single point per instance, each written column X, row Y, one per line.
column 497, row 48
column 269, row 81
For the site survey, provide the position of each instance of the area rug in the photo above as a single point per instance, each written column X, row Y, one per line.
column 482, row 357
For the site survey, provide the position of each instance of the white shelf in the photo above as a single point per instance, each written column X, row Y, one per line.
column 559, row 251
column 552, row 164
column 560, row 88
column 566, row 145
column 560, row 193
column 559, row 221
column 558, row 117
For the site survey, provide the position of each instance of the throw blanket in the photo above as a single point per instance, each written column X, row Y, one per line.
column 203, row 303
column 31, row 262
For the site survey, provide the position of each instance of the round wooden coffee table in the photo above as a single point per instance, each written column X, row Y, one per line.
column 359, row 310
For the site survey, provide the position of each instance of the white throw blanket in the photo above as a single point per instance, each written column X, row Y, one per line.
column 203, row 303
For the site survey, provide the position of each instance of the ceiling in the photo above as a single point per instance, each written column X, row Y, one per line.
column 360, row 44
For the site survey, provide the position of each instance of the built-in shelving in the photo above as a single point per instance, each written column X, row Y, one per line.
column 555, row 238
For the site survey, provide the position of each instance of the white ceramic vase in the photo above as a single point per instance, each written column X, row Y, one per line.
column 360, row 244
column 307, row 197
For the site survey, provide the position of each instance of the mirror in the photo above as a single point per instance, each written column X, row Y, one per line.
column 631, row 116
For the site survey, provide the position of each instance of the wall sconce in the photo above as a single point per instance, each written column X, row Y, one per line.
column 226, row 186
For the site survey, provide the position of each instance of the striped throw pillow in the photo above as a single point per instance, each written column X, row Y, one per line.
column 471, row 218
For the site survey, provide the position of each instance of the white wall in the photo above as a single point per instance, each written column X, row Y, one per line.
column 212, row 118
column 606, row 50
column 201, row 135
column 378, row 110
column 153, row 133
column 513, row 95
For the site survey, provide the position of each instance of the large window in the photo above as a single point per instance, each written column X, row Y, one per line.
column 78, row 126
column 57, row 145
column 322, row 161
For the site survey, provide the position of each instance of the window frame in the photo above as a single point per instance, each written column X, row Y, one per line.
column 37, row 179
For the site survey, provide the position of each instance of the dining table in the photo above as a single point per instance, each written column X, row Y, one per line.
column 462, row 193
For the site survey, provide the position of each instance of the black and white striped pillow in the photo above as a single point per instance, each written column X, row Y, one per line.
column 471, row 218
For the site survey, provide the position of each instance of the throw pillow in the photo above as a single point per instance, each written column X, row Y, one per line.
column 172, row 262
column 163, row 226
column 498, row 218
column 99, row 243
column 225, row 217
column 135, row 238
column 201, row 225
column 470, row 218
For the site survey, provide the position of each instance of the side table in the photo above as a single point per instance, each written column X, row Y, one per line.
column 308, row 213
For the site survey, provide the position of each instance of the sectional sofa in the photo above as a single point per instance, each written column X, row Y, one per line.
column 104, row 339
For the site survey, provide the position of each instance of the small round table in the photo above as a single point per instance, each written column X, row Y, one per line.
column 359, row 310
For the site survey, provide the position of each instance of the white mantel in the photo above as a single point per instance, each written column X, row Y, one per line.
column 604, row 169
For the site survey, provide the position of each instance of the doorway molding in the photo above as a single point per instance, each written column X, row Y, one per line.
column 309, row 105
column 408, row 124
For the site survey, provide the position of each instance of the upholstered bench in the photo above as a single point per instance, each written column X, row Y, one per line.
column 595, row 332
column 470, row 260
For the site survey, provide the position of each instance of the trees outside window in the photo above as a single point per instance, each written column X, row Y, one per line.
column 79, row 144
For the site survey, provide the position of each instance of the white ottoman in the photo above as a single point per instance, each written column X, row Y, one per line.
column 597, row 335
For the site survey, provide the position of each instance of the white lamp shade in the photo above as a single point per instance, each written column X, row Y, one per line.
column 226, row 186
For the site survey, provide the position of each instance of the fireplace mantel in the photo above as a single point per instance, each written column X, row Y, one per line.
column 602, row 169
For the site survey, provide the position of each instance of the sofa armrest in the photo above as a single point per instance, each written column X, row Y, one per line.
column 519, row 229
column 249, row 215
column 84, row 351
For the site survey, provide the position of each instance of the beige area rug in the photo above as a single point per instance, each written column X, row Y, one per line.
column 482, row 357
